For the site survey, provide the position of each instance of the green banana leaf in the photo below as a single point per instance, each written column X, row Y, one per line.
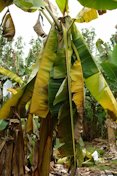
column 53, row 87
column 94, row 80
column 99, row 4
column 30, row 5
column 11, row 75
column 110, row 70
column 39, row 103
column 62, row 94
column 65, row 133
column 3, row 124
column 88, row 64
column 63, row 5
column 59, row 67
column 77, row 89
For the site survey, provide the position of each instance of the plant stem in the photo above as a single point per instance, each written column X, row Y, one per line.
column 53, row 17
column 68, row 64
column 46, row 16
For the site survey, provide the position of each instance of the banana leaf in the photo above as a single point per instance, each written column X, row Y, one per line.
column 12, row 102
column 29, row 6
column 62, row 94
column 88, row 64
column 86, row 15
column 53, row 87
column 94, row 80
column 23, row 94
column 27, row 95
column 64, row 130
column 99, row 4
column 77, row 89
column 63, row 5
column 59, row 68
column 110, row 71
column 39, row 103
column 11, row 75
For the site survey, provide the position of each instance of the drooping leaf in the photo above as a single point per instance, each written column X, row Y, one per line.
column 110, row 71
column 94, row 80
column 62, row 93
column 86, row 15
column 29, row 123
column 99, row 4
column 77, row 89
column 5, row 3
column 11, row 75
column 88, row 64
column 25, row 98
column 101, row 92
column 64, row 130
column 59, row 68
column 39, row 103
column 53, row 87
column 38, row 28
column 30, row 5
column 66, row 149
column 3, row 124
column 63, row 5
column 13, row 91
column 8, row 26
column 64, row 124
column 14, row 100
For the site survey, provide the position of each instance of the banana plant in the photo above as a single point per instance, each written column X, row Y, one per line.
column 56, row 94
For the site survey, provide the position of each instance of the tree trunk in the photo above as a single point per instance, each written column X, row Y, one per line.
column 12, row 150
column 43, row 149
column 111, row 126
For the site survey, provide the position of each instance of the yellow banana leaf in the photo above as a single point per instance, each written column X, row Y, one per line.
column 18, row 100
column 13, row 91
column 29, row 123
column 77, row 85
column 101, row 91
column 39, row 103
column 77, row 88
column 12, row 102
column 11, row 75
column 86, row 15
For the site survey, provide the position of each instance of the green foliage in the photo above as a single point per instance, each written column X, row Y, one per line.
column 30, row 5
column 63, row 5
column 3, row 124
column 99, row 4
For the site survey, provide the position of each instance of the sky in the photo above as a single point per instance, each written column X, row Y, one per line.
column 24, row 22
